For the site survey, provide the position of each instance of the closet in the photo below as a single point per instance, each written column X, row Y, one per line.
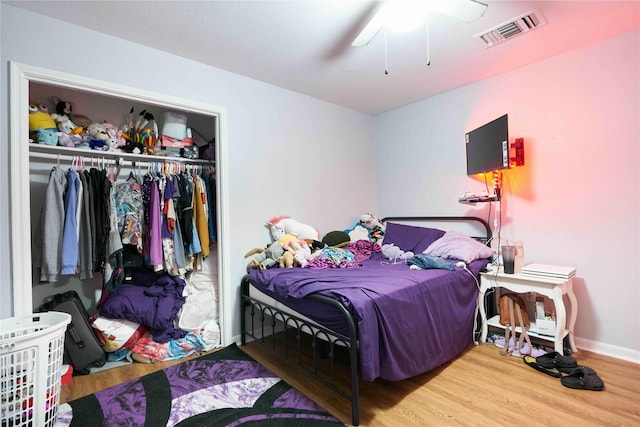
column 32, row 164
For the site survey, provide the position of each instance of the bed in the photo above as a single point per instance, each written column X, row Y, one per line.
column 393, row 321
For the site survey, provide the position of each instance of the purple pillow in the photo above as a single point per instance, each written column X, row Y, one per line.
column 410, row 237
column 459, row 246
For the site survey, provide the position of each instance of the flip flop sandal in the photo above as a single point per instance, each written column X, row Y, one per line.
column 531, row 361
column 583, row 378
column 557, row 360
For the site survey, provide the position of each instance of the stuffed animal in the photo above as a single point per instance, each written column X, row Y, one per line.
column 281, row 225
column 301, row 253
column 358, row 232
column 115, row 140
column 375, row 227
column 65, row 124
column 336, row 239
column 133, row 147
column 112, row 143
column 63, row 108
column 47, row 136
column 39, row 118
column 98, row 137
column 395, row 254
column 115, row 133
column 286, row 260
column 97, row 144
column 265, row 257
column 80, row 120
column 69, row 140
column 287, row 239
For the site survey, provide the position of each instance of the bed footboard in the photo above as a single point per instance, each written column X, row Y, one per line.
column 260, row 322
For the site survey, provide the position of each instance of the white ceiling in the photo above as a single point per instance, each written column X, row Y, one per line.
column 304, row 46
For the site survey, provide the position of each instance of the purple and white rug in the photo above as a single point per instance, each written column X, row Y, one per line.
column 224, row 388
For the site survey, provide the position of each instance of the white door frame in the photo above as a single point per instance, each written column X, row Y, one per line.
column 20, row 218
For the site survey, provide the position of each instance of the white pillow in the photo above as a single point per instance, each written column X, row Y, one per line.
column 458, row 246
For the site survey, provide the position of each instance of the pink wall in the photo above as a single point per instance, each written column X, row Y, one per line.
column 576, row 201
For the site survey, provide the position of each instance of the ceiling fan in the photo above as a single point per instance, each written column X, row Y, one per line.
column 406, row 15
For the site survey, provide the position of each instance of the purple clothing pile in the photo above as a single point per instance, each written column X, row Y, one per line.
column 150, row 299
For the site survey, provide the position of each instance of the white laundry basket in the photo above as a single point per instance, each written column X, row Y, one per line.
column 31, row 351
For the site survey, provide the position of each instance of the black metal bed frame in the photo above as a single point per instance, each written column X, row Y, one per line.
column 265, row 319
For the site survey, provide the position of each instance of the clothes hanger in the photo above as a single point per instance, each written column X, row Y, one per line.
column 132, row 174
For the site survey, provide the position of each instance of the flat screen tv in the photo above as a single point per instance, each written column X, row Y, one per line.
column 487, row 147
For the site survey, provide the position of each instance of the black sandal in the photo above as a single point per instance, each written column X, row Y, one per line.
column 557, row 360
column 583, row 378
column 531, row 361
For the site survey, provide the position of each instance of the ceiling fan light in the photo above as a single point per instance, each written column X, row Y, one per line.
column 403, row 16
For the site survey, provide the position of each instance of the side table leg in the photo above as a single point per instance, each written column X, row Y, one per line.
column 573, row 314
column 483, row 316
column 561, row 319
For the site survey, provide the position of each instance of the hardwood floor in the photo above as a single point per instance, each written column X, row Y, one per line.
column 479, row 388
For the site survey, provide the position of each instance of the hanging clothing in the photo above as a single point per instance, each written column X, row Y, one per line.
column 210, row 184
column 200, row 214
column 92, row 217
column 154, row 225
column 178, row 250
column 85, row 248
column 129, row 211
column 90, row 220
column 69, row 259
column 98, row 179
column 48, row 248
column 184, row 207
column 114, row 264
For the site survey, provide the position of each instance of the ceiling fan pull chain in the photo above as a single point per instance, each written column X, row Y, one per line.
column 428, row 42
column 386, row 60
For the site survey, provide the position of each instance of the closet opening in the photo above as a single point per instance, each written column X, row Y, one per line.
column 32, row 165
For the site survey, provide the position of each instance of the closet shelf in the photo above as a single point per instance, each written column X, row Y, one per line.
column 52, row 152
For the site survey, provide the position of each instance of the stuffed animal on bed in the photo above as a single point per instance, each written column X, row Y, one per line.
column 301, row 253
column 281, row 225
column 286, row 260
column 358, row 232
column 287, row 239
column 395, row 254
column 374, row 225
column 265, row 257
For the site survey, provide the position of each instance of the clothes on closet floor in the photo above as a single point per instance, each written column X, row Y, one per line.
column 89, row 220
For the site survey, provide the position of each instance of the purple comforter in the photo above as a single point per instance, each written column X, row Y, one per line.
column 409, row 321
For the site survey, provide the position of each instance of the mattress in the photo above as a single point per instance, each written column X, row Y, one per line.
column 312, row 311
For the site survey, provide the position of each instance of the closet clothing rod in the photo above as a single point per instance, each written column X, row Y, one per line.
column 109, row 161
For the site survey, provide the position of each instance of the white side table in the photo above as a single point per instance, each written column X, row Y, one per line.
column 550, row 287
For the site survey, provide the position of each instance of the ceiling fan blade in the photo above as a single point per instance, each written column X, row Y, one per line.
column 370, row 30
column 465, row 10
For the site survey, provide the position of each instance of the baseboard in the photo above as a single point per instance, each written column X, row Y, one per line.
column 609, row 350
column 237, row 339
column 593, row 346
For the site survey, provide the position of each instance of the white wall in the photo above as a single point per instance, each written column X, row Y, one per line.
column 577, row 199
column 287, row 152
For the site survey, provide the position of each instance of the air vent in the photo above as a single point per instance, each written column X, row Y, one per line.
column 501, row 33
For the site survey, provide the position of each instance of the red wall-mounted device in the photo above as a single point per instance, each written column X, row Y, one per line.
column 516, row 153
